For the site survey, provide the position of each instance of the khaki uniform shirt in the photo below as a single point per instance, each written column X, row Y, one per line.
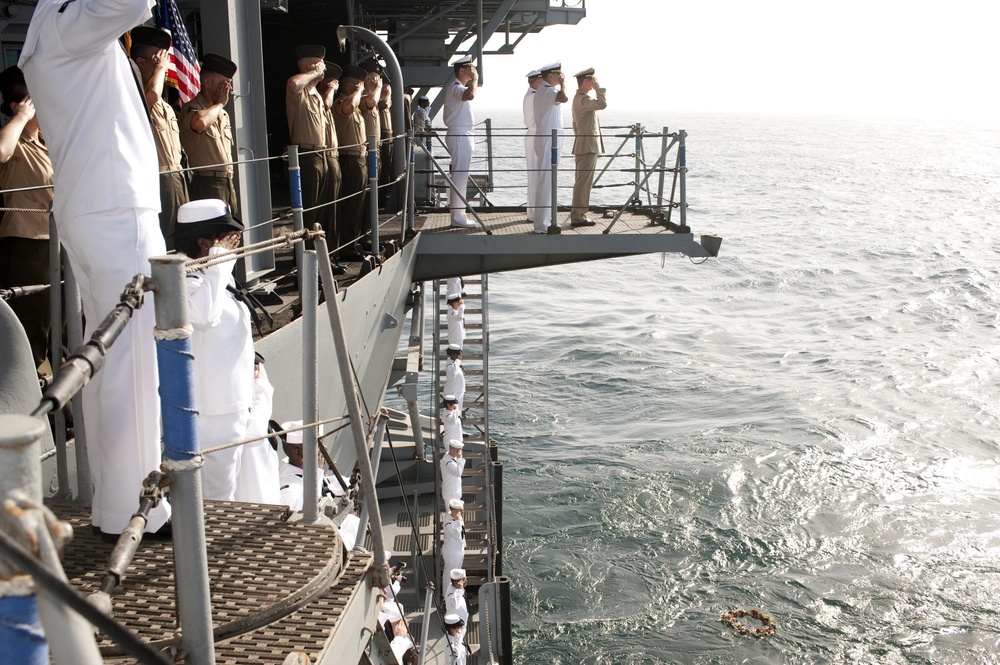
column 372, row 125
column 214, row 145
column 306, row 118
column 166, row 135
column 331, row 131
column 29, row 166
column 586, row 126
column 350, row 129
column 385, row 120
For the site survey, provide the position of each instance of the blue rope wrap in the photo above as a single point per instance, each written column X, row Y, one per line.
column 295, row 185
column 22, row 639
column 372, row 165
column 180, row 431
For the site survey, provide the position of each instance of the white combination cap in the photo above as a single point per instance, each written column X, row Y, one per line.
column 452, row 620
column 464, row 60
column 534, row 73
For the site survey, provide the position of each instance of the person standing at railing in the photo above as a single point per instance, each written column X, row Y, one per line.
column 353, row 170
column 106, row 204
column 222, row 342
column 24, row 236
column 207, row 133
column 528, row 111
column 422, row 121
column 451, row 420
column 373, row 127
column 149, row 53
column 588, row 143
column 454, row 598
column 385, row 149
column 452, row 467
column 305, row 110
column 454, row 630
column 459, row 119
column 549, row 97
column 453, row 549
column 456, row 319
column 331, row 222
column 454, row 383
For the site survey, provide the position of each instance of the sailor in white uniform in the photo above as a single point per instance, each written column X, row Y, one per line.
column 257, row 480
column 290, row 471
column 548, row 116
column 456, row 320
column 453, row 549
column 106, row 205
column 454, row 598
column 451, row 420
column 452, row 466
column 454, row 383
column 222, row 342
column 455, row 285
column 528, row 111
column 459, row 120
column 455, row 649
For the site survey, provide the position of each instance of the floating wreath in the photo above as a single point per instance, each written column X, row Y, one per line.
column 732, row 619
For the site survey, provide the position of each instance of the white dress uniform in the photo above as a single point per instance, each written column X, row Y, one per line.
column 222, row 343
column 459, row 120
column 528, row 111
column 451, row 477
column 453, row 549
column 548, row 116
column 454, row 383
column 455, row 285
column 456, row 650
column 399, row 645
column 257, row 480
column 454, row 602
column 456, row 326
column 452, row 422
column 106, row 205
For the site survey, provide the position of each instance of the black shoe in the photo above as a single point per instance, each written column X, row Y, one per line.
column 554, row 230
column 582, row 222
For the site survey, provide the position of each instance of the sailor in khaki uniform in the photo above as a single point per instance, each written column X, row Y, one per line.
column 207, row 134
column 307, row 120
column 350, row 126
column 452, row 466
column 328, row 89
column 149, row 53
column 24, row 236
column 453, row 549
column 588, row 143
column 385, row 149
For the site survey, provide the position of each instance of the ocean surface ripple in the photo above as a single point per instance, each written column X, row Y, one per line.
column 806, row 424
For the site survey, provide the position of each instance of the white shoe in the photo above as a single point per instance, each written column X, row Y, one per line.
column 463, row 223
column 539, row 232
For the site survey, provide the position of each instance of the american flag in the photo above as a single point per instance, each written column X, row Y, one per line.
column 184, row 72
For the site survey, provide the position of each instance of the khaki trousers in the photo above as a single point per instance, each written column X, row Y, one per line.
column 585, row 166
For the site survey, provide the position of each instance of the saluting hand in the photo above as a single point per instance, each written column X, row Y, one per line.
column 25, row 108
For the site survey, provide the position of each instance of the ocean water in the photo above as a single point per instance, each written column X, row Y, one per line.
column 806, row 425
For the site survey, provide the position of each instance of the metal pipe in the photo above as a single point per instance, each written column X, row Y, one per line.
column 354, row 411
column 180, row 442
column 637, row 194
column 373, row 189
column 426, row 623
column 453, row 187
column 63, row 490
column 489, row 154
column 69, row 636
column 411, row 188
column 682, row 167
column 375, row 461
column 310, row 387
column 555, row 178
column 74, row 335
column 663, row 163
column 295, row 191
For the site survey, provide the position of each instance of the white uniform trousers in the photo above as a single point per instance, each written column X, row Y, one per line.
column 460, row 145
column 120, row 404
column 532, row 167
column 257, row 480
column 543, row 180
column 218, row 475
column 452, row 551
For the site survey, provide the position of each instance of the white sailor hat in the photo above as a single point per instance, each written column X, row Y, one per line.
column 457, row 574
column 295, row 438
column 456, row 504
column 464, row 60
column 551, row 67
column 204, row 217
column 455, row 443
column 452, row 297
column 452, row 620
column 534, row 73
column 391, row 612
column 454, row 347
column 451, row 398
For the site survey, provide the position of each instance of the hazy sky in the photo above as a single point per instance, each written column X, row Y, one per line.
column 886, row 57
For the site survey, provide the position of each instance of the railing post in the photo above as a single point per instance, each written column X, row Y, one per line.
column 489, row 154
column 55, row 357
column 637, row 194
column 411, row 187
column 310, row 386
column 555, row 179
column 183, row 462
column 682, row 167
column 664, row 142
column 425, row 624
column 375, row 461
column 295, row 192
column 74, row 335
column 359, row 436
column 373, row 189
